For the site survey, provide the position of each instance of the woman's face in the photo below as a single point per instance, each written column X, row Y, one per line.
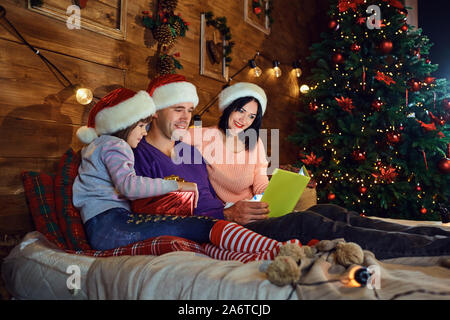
column 242, row 118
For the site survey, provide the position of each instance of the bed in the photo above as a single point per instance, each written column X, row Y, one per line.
column 55, row 262
column 37, row 269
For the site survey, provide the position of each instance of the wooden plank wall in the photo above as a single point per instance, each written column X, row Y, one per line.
column 38, row 118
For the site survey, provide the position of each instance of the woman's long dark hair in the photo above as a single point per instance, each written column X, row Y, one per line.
column 256, row 125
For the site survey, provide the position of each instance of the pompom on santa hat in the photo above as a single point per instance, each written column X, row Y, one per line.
column 116, row 111
column 171, row 89
column 241, row 90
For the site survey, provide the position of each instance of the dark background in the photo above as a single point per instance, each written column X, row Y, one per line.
column 433, row 16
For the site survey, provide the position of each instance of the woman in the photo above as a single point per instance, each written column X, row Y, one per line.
column 233, row 148
column 237, row 169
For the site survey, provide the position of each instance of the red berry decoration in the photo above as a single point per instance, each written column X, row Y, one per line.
column 362, row 189
column 338, row 58
column 419, row 188
column 331, row 196
column 355, row 47
column 386, row 46
column 377, row 104
column 444, row 166
column 423, row 211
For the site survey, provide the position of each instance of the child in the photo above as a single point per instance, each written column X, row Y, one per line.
column 106, row 182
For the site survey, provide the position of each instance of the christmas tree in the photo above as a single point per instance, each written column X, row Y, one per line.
column 373, row 127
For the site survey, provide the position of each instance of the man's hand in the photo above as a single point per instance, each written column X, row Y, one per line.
column 244, row 212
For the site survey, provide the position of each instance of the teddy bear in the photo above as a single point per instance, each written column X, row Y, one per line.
column 285, row 268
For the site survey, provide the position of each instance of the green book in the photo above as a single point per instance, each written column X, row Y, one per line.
column 284, row 190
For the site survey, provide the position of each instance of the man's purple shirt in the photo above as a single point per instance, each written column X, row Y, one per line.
column 151, row 162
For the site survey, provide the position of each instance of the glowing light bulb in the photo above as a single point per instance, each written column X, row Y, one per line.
column 304, row 88
column 297, row 69
column 257, row 71
column 276, row 69
column 84, row 96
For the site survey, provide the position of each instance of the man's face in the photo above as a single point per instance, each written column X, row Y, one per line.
column 174, row 121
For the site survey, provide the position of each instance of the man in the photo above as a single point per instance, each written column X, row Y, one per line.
column 159, row 155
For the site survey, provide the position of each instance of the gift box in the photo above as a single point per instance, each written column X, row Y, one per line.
column 174, row 203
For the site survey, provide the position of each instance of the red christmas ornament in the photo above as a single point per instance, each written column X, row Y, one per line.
column 446, row 104
column 313, row 106
column 355, row 47
column 377, row 104
column 393, row 137
column 429, row 80
column 333, row 25
column 419, row 188
column 337, row 58
column 362, row 189
column 331, row 196
column 386, row 46
column 415, row 84
column 444, row 166
column 423, row 211
column 428, row 61
column 357, row 155
column 404, row 28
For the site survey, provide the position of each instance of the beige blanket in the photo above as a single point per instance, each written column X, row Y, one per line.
column 37, row 270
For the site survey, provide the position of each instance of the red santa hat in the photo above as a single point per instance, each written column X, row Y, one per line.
column 240, row 90
column 116, row 111
column 170, row 89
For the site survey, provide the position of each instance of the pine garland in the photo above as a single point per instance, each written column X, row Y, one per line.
column 166, row 27
column 220, row 23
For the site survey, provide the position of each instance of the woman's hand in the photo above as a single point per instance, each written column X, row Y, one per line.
column 189, row 187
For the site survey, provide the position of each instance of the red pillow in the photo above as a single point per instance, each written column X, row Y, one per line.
column 174, row 203
column 153, row 246
column 41, row 203
column 69, row 217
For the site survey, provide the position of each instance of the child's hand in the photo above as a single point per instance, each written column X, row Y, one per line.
column 189, row 186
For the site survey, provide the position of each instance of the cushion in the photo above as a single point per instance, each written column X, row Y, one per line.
column 69, row 218
column 174, row 203
column 41, row 203
column 153, row 246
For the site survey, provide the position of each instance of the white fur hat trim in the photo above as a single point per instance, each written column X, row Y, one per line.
column 240, row 90
column 174, row 93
